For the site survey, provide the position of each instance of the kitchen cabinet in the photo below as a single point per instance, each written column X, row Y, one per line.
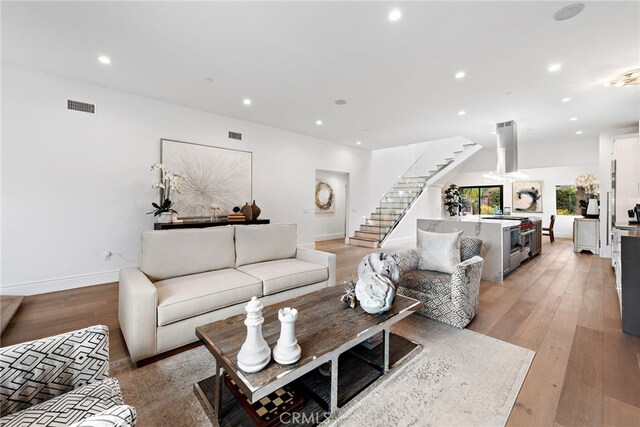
column 627, row 269
column 586, row 235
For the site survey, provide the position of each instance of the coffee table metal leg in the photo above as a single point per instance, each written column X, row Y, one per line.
column 217, row 393
column 333, row 405
column 386, row 351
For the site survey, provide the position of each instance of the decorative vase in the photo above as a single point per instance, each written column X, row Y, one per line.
column 287, row 350
column 593, row 210
column 164, row 218
column 246, row 211
column 255, row 353
column 255, row 210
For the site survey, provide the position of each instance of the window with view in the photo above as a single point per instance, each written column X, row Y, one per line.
column 482, row 200
column 568, row 199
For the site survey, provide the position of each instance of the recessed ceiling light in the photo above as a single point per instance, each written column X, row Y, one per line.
column 493, row 132
column 462, row 113
column 395, row 15
column 567, row 99
column 246, row 101
column 358, row 142
column 568, row 12
column 340, row 101
column 460, row 74
column 318, row 122
column 573, row 119
column 579, row 132
column 554, row 67
column 104, row 59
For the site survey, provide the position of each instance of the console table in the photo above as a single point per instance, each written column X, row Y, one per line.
column 205, row 224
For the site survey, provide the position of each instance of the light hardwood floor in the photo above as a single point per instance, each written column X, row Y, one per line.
column 561, row 304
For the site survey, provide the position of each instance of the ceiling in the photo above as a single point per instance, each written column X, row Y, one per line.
column 294, row 59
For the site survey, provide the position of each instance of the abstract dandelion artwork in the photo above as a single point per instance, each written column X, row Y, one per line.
column 213, row 176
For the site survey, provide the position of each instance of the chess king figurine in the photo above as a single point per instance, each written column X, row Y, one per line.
column 287, row 350
column 255, row 353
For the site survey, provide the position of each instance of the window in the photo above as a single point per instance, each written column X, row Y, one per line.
column 482, row 200
column 568, row 199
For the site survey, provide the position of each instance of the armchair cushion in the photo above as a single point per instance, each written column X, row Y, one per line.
column 283, row 274
column 438, row 251
column 118, row 416
column 36, row 371
column 70, row 407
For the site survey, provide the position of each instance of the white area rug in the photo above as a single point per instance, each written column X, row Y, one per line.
column 461, row 378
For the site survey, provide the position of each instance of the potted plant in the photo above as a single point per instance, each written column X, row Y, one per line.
column 452, row 199
column 168, row 181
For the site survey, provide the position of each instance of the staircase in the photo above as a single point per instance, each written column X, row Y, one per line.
column 398, row 200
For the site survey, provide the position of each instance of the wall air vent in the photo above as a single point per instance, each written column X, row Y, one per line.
column 235, row 135
column 81, row 106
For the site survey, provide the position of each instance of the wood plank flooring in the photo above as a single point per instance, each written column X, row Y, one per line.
column 562, row 305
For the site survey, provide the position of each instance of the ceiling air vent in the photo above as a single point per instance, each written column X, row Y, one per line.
column 81, row 106
column 235, row 135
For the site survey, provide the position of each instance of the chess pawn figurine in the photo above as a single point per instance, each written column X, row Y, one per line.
column 287, row 350
column 255, row 353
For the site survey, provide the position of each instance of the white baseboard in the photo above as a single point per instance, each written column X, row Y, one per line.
column 330, row 236
column 59, row 284
column 400, row 242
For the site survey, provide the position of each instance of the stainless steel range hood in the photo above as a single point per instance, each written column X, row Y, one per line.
column 507, row 150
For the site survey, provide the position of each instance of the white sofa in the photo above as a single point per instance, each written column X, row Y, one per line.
column 188, row 278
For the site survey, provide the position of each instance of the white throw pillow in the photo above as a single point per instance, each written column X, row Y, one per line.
column 438, row 251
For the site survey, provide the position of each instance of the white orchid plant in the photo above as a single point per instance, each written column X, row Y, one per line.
column 587, row 182
column 168, row 181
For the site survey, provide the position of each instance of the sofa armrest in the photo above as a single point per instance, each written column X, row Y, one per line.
column 318, row 257
column 407, row 260
column 118, row 416
column 36, row 371
column 465, row 285
column 137, row 313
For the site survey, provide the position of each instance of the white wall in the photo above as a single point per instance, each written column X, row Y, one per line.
column 332, row 225
column 583, row 151
column 552, row 176
column 75, row 185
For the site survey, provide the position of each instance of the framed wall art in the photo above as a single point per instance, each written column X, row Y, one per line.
column 325, row 197
column 213, row 176
column 527, row 196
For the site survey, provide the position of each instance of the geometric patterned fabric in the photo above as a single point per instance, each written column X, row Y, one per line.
column 448, row 298
column 71, row 407
column 118, row 416
column 37, row 371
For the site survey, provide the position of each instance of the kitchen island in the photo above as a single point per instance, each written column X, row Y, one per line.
column 504, row 245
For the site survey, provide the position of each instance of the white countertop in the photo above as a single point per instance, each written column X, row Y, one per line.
column 478, row 219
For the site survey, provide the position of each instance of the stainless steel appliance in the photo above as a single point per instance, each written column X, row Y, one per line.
column 519, row 242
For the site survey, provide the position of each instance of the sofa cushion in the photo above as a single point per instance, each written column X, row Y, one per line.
column 258, row 243
column 431, row 283
column 173, row 253
column 283, row 274
column 187, row 296
column 70, row 407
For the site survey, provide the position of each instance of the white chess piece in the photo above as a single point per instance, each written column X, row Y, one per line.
column 287, row 350
column 255, row 353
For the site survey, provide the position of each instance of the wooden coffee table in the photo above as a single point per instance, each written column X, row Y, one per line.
column 325, row 330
